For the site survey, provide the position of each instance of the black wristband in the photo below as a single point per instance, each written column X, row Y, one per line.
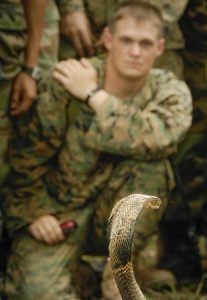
column 93, row 92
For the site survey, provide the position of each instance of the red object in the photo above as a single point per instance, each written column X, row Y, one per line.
column 68, row 226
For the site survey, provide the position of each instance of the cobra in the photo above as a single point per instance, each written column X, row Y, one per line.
column 121, row 226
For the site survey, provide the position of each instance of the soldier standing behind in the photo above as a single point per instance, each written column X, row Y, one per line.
column 15, row 85
column 29, row 43
column 186, row 216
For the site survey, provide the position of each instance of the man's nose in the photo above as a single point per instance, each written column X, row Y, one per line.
column 135, row 49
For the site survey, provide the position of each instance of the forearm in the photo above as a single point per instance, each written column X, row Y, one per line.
column 34, row 14
column 149, row 133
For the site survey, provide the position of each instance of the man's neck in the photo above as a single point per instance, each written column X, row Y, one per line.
column 121, row 86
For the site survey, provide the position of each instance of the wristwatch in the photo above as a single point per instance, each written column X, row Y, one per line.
column 33, row 72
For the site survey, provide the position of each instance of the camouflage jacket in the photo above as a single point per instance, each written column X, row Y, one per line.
column 57, row 164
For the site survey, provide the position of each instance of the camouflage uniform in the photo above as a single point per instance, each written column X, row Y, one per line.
column 80, row 170
column 189, row 203
column 12, row 45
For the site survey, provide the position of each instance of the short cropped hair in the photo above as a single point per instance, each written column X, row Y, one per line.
column 139, row 10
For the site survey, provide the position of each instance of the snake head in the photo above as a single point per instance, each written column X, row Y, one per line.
column 153, row 202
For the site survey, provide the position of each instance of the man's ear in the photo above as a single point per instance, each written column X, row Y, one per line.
column 161, row 46
column 107, row 38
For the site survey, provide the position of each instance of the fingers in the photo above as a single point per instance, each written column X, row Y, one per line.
column 62, row 79
column 15, row 98
column 87, row 43
column 71, row 66
column 78, row 77
column 22, row 106
column 23, row 94
column 62, row 73
column 81, row 34
column 83, row 44
column 65, row 70
column 47, row 229
column 78, row 45
column 67, row 67
column 83, row 47
column 50, row 233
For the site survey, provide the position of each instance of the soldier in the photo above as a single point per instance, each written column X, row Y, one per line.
column 186, row 214
column 12, row 44
column 132, row 117
column 82, row 24
column 29, row 41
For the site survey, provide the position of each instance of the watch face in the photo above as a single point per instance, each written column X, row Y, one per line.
column 36, row 73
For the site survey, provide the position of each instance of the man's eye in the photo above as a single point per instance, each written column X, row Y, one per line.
column 146, row 44
column 126, row 41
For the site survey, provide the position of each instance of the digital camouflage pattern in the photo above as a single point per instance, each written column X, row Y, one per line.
column 61, row 167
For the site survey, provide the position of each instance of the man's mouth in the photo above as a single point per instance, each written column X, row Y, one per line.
column 134, row 64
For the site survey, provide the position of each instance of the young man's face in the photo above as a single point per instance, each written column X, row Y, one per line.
column 133, row 47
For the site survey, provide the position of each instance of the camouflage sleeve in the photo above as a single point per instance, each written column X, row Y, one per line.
column 152, row 132
column 69, row 6
column 37, row 137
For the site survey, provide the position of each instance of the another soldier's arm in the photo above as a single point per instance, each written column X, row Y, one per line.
column 24, row 89
column 34, row 14
column 75, row 25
